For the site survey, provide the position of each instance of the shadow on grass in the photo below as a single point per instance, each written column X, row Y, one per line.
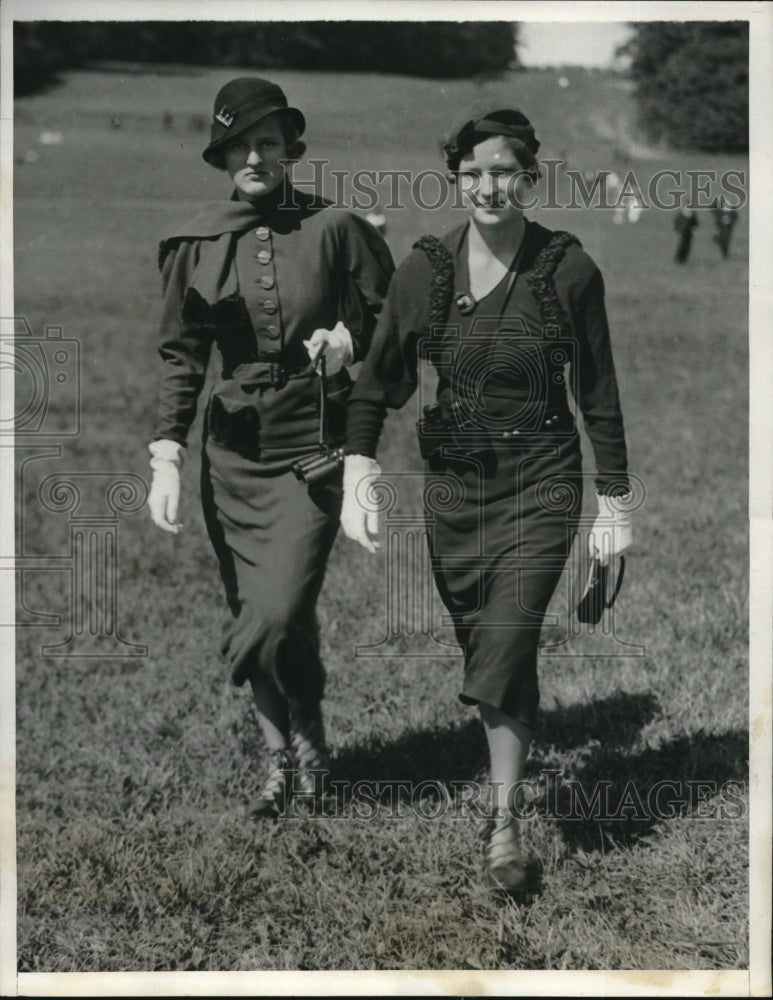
column 616, row 720
column 459, row 752
column 618, row 797
column 585, row 775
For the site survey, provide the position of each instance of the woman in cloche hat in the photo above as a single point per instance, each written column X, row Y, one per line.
column 502, row 307
column 288, row 289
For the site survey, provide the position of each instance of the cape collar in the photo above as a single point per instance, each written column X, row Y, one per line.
column 281, row 209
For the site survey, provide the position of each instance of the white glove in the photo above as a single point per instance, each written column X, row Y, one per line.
column 359, row 524
column 164, row 496
column 612, row 532
column 335, row 344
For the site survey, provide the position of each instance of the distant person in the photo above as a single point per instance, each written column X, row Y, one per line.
column 504, row 304
column 633, row 208
column 614, row 187
column 725, row 219
column 685, row 223
column 274, row 278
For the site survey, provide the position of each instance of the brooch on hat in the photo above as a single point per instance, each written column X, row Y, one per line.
column 225, row 116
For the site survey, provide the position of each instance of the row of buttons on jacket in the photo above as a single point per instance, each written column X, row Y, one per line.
column 267, row 280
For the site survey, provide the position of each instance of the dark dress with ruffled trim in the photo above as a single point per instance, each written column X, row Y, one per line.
column 504, row 490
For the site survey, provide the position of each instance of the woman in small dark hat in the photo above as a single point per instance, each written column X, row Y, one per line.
column 288, row 290
column 507, row 311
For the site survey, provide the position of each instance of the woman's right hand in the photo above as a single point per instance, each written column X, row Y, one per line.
column 359, row 524
column 335, row 344
column 164, row 496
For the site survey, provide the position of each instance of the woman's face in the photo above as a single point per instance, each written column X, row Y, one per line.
column 493, row 182
column 253, row 157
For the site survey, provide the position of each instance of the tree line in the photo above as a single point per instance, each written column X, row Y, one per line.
column 433, row 49
column 691, row 77
column 692, row 83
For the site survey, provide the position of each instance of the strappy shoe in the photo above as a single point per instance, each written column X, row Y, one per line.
column 507, row 863
column 275, row 792
column 307, row 737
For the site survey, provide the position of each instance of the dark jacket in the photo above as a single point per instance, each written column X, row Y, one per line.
column 257, row 283
column 389, row 374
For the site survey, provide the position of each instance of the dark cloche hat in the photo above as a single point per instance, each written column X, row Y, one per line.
column 241, row 103
column 510, row 122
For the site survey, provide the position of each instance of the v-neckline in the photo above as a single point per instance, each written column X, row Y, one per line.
column 508, row 275
column 491, row 291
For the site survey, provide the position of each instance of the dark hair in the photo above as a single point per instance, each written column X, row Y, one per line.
column 289, row 128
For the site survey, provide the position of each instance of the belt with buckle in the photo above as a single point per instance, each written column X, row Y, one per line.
column 268, row 374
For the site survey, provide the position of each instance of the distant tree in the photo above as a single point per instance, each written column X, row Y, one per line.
column 41, row 49
column 448, row 48
column 692, row 82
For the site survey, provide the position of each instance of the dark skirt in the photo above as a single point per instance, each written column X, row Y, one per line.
column 272, row 536
column 500, row 527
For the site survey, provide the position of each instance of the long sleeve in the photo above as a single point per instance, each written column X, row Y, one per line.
column 389, row 373
column 365, row 272
column 184, row 348
column 595, row 383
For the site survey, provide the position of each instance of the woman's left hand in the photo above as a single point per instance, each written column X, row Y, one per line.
column 360, row 523
column 335, row 344
column 612, row 532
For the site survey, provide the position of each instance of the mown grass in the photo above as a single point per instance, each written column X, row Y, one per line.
column 135, row 776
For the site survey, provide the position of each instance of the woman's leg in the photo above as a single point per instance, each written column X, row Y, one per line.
column 272, row 711
column 508, row 743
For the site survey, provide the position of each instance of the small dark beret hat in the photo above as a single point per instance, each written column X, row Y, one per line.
column 509, row 122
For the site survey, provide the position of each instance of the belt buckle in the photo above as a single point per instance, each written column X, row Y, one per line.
column 277, row 375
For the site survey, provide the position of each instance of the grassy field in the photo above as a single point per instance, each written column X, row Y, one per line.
column 135, row 775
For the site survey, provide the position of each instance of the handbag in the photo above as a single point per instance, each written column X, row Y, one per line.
column 595, row 599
